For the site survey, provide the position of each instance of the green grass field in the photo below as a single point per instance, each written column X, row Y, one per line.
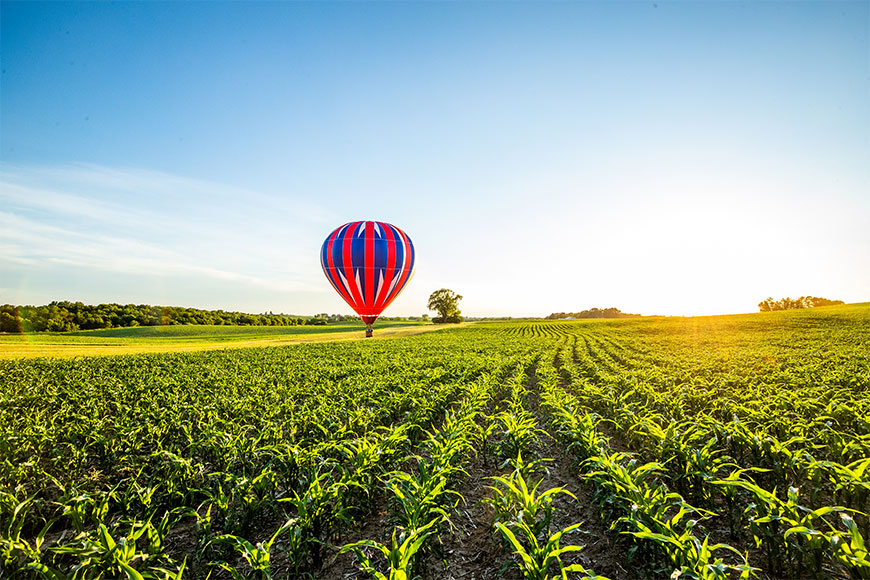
column 187, row 338
column 711, row 448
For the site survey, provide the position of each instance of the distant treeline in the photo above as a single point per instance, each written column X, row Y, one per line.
column 65, row 316
column 769, row 304
column 593, row 313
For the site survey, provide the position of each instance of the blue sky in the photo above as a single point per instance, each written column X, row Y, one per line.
column 663, row 158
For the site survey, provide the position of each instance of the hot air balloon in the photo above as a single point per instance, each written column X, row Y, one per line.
column 368, row 263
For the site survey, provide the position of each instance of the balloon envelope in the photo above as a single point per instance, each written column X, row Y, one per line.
column 368, row 263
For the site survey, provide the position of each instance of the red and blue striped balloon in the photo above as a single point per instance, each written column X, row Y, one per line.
column 368, row 263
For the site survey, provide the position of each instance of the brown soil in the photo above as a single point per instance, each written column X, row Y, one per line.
column 602, row 552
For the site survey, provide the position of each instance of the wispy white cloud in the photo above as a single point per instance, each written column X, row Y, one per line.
column 131, row 187
column 155, row 224
column 150, row 199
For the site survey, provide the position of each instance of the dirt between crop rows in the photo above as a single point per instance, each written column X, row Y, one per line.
column 602, row 553
column 474, row 549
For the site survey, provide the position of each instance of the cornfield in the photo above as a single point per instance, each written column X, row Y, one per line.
column 704, row 448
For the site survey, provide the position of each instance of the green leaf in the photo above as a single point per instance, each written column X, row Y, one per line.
column 130, row 572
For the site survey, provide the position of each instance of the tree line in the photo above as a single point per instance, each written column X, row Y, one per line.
column 64, row 316
column 593, row 313
column 770, row 305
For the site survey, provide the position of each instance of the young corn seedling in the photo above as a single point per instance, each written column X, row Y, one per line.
column 156, row 533
column 782, row 459
column 319, row 512
column 515, row 498
column 692, row 557
column 535, row 558
column 204, row 534
column 140, row 498
column 218, row 497
column 518, row 432
column 850, row 484
column 15, row 550
column 622, row 487
column 287, row 459
column 730, row 495
column 688, row 452
column 83, row 510
column 400, row 555
column 248, row 499
column 785, row 530
column 484, row 440
column 364, row 458
column 809, row 543
column 178, row 475
column 447, row 447
column 528, row 469
column 850, row 552
column 101, row 553
column 258, row 556
column 422, row 497
column 297, row 550
column 575, row 425
column 765, row 516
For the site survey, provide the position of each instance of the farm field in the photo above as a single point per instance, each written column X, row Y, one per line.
column 710, row 447
column 182, row 338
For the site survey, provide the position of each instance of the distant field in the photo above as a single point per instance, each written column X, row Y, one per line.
column 179, row 338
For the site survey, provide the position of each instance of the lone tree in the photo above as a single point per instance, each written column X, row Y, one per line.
column 444, row 302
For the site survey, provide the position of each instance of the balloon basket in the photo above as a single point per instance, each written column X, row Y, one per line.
column 369, row 331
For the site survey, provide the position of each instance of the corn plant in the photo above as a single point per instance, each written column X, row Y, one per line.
column 518, row 432
column 400, row 555
column 623, row 486
column 219, row 497
column 363, row 459
column 319, row 512
column 483, row 438
column 179, row 477
column 691, row 457
column 15, row 549
column 140, row 498
column 850, row 552
column 258, row 556
column 536, row 558
column 447, row 446
column 528, row 469
column 849, row 483
column 787, row 531
column 730, row 495
column 517, row 497
column 83, row 510
column 104, row 553
column 691, row 557
column 249, row 499
column 423, row 496
column 572, row 423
